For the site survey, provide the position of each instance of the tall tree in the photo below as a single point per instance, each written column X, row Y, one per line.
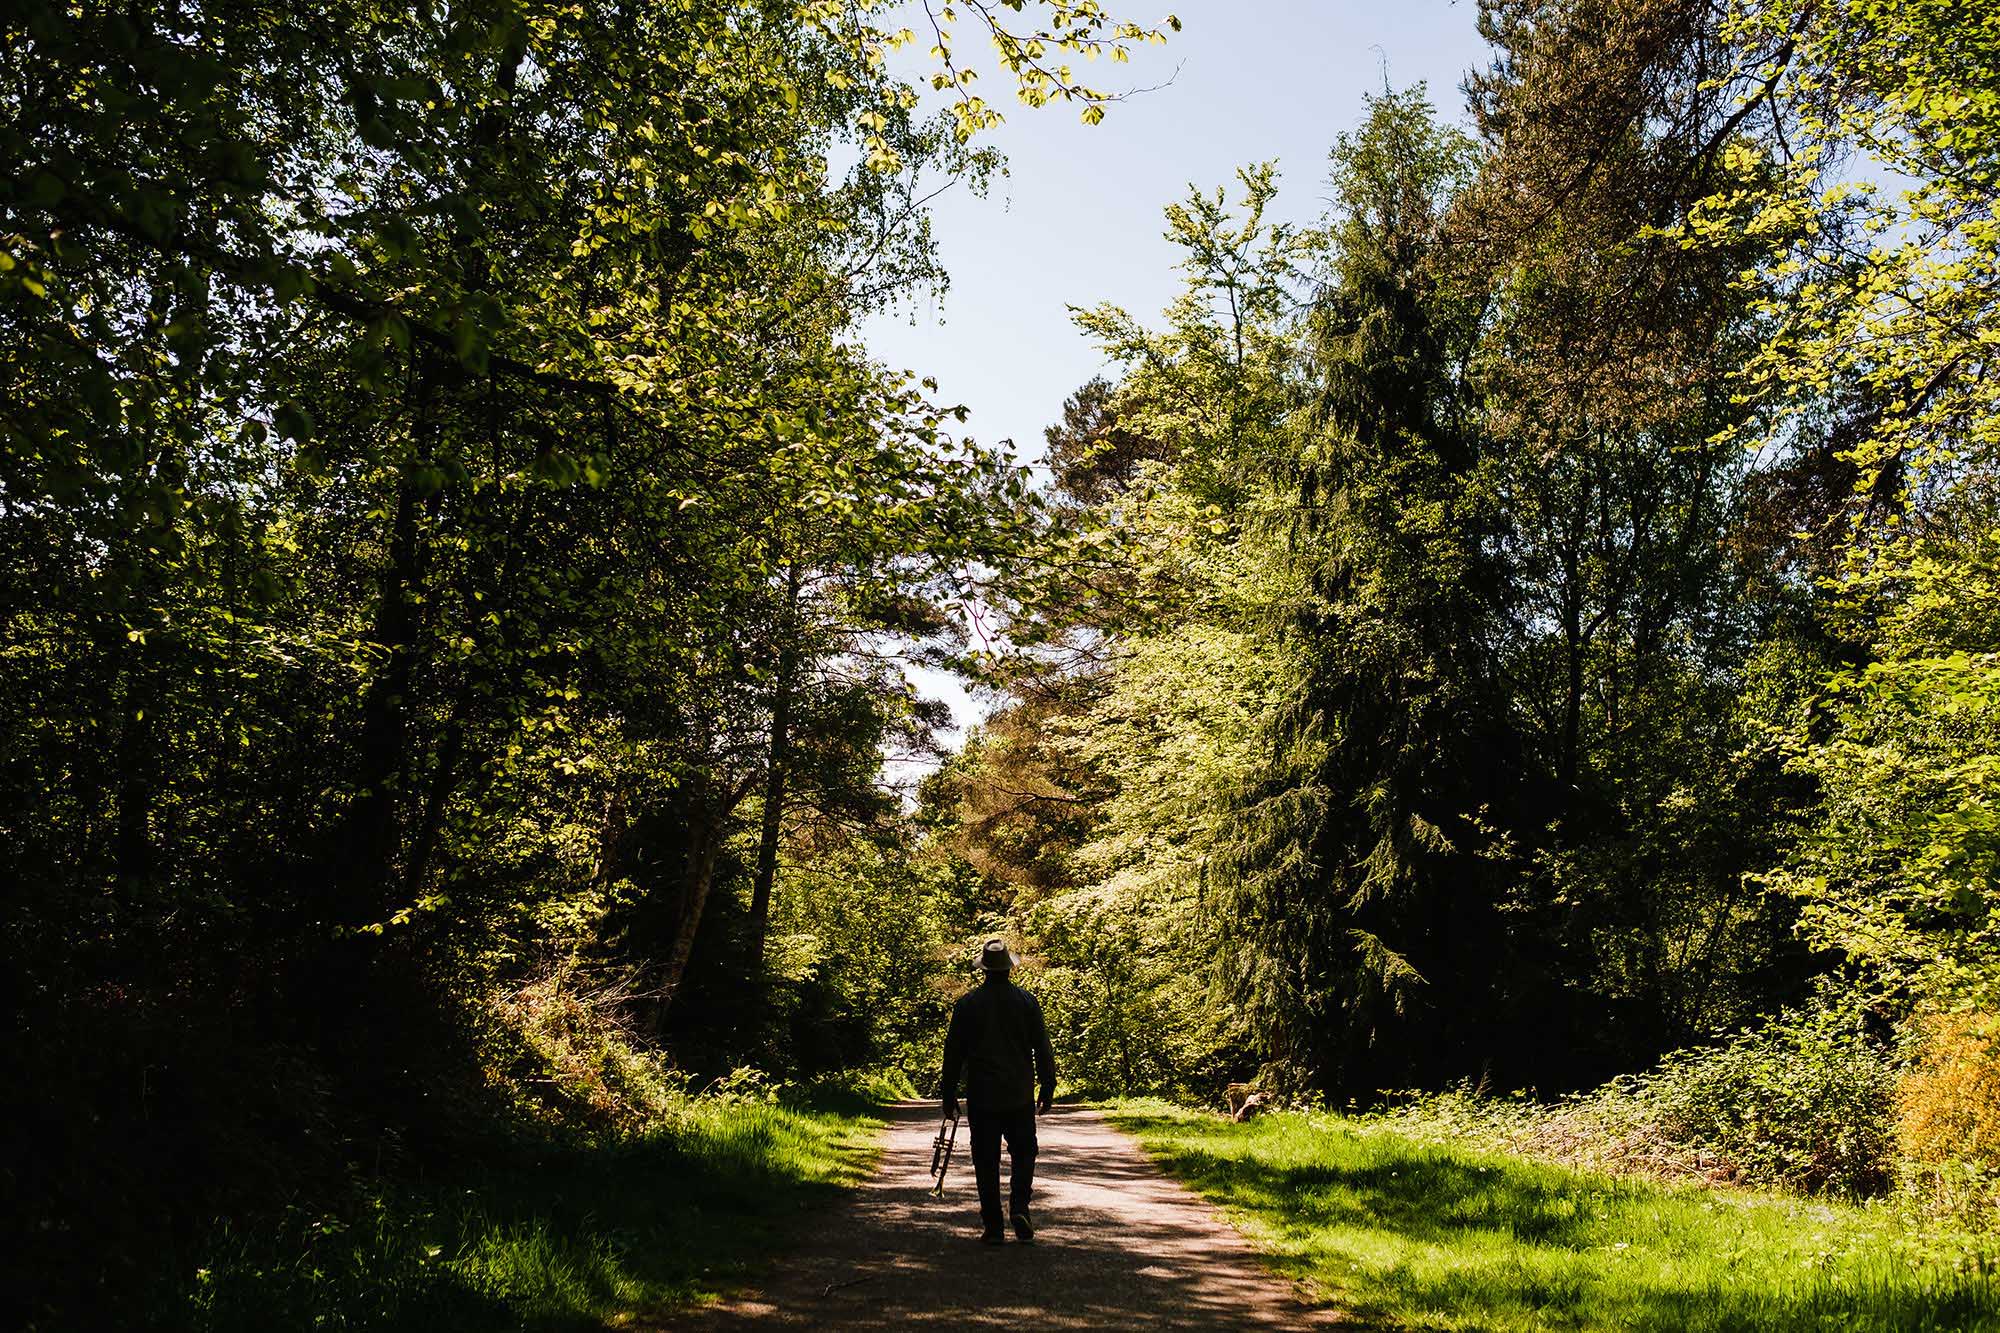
column 1354, row 877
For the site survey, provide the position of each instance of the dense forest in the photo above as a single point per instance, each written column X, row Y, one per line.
column 1531, row 620
column 1536, row 625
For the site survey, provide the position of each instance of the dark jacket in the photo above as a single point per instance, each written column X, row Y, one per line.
column 998, row 1041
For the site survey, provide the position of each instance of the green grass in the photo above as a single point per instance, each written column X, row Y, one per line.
column 573, row 1240
column 1421, row 1236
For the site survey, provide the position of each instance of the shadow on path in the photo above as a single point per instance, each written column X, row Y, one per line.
column 1120, row 1245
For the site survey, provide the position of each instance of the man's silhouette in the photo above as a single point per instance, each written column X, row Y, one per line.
column 998, row 1040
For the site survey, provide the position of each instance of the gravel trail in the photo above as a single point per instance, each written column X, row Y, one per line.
column 1119, row 1245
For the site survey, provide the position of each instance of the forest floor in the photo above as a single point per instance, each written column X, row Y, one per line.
column 558, row 1241
column 1119, row 1245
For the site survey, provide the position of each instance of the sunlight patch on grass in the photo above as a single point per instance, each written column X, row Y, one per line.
column 1435, row 1237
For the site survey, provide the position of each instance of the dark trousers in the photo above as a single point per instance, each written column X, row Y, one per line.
column 988, row 1129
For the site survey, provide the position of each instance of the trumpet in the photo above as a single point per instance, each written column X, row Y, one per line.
column 941, row 1146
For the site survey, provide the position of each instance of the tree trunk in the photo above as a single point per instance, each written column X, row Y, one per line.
column 775, row 773
column 1572, row 713
column 705, row 843
column 137, row 764
column 444, row 780
column 366, row 851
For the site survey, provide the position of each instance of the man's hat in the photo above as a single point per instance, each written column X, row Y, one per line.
column 996, row 956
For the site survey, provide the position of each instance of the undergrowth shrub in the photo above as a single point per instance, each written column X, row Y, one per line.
column 1806, row 1101
column 562, row 1043
column 1948, row 1113
column 1948, row 1102
column 852, row 1090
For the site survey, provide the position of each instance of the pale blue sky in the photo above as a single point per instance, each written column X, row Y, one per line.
column 1077, row 220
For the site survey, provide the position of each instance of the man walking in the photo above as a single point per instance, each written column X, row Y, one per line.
column 998, row 1040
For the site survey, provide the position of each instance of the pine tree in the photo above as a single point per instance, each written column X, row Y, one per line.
column 1354, row 854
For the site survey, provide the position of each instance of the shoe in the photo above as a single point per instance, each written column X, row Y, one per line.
column 1024, row 1228
column 993, row 1236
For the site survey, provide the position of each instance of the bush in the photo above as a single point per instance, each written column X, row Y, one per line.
column 1805, row 1101
column 1948, row 1103
column 1948, row 1114
column 563, row 1044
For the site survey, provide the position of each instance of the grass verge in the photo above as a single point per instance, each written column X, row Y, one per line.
column 1429, row 1236
column 584, row 1238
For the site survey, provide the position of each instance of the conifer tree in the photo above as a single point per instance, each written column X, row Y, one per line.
column 1353, row 860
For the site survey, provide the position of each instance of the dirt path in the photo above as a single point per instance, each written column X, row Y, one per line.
column 1120, row 1246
